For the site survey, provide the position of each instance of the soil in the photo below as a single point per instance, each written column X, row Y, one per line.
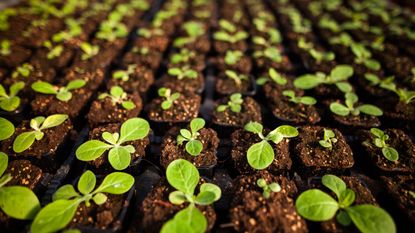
column 284, row 65
column 184, row 109
column 17, row 56
column 317, row 159
column 152, row 59
column 195, row 62
column 57, row 62
column 102, row 163
column 104, row 111
column 397, row 110
column 227, row 86
column 242, row 140
column 156, row 209
column 171, row 151
column 221, row 46
column 243, row 66
column 201, row 45
column 398, row 140
column 158, row 43
column 189, row 85
column 362, row 120
column 93, row 77
column 250, row 111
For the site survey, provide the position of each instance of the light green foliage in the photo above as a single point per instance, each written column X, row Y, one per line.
column 183, row 72
column 229, row 33
column 88, row 50
column 170, row 97
column 118, row 96
column 10, row 102
column 268, row 188
column 124, row 75
column 379, row 139
column 193, row 29
column 61, row 93
column 23, row 70
column 306, row 100
column 350, row 107
column 329, row 138
column 193, row 145
column 364, row 56
column 233, row 57
column 5, row 49
column 237, row 78
column 234, row 103
column 319, row 56
column 6, row 129
column 274, row 77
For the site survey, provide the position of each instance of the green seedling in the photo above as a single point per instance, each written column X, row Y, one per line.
column 169, row 97
column 10, row 102
column 193, row 145
column 329, row 138
column 54, row 51
column 193, row 29
column 306, row 100
column 150, row 32
column 234, row 104
column 268, row 188
column 274, row 77
column 23, row 70
column 62, row 93
column 387, row 83
column 110, row 30
column 344, row 39
column 183, row 72
column 364, row 56
column 5, row 48
column 229, row 33
column 183, row 56
column 237, row 78
column 88, row 50
column 6, row 129
column 316, row 54
column 124, row 75
column 233, row 56
column 379, row 139
column 272, row 53
column 118, row 96
column 350, row 107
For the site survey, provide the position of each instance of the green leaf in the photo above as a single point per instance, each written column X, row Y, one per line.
column 4, row 161
column 10, row 104
column 183, row 176
column 75, row 84
column 91, row 150
column 116, row 183
column 343, row 218
column 100, row 198
column 64, row 96
column 260, row 155
column 65, row 192
column 119, row 158
column 23, row 141
column 6, row 129
column 371, row 219
column 128, row 105
column 194, row 147
column 16, row 87
column 87, row 182
column 177, row 197
column 189, row 220
column 54, row 216
column 116, row 91
column 253, row 127
column 370, row 110
column 134, row 129
column 347, row 197
column 344, row 87
column 44, row 87
column 316, row 205
column 287, row 131
column 197, row 124
column 334, row 183
column 166, row 104
column 339, row 109
column 377, row 132
column 54, row 120
column 308, row 81
column 341, row 72
column 205, row 198
column 307, row 100
column 174, row 71
column 390, row 153
column 19, row 202
column 186, row 133
column 208, row 187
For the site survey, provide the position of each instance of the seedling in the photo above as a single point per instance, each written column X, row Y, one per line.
column 234, row 103
column 316, row 205
column 350, row 108
column 10, row 102
column 338, row 76
column 405, row 96
column 306, row 100
column 329, row 138
column 150, row 32
column 271, row 52
column 317, row 55
column 387, row 83
column 88, row 50
column 184, row 177
column 170, row 98
column 364, row 56
column 110, row 30
column 193, row 145
column 5, row 48
column 379, row 140
column 58, row 214
column 118, row 96
column 62, row 93
column 183, row 72
column 193, row 30
column 268, row 188
column 229, row 33
column 6, row 129
column 343, row 39
column 119, row 155
column 124, row 75
column 327, row 22
column 183, row 56
column 261, row 154
column 54, row 51
column 16, row 201
column 24, row 140
column 74, row 29
column 274, row 76
column 237, row 78
column 23, row 70
column 233, row 56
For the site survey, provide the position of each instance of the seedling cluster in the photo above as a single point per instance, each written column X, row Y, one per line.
column 190, row 137
column 61, row 93
column 118, row 96
column 234, row 104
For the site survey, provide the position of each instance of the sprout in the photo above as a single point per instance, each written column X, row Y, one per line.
column 229, row 33
column 6, row 129
column 233, row 56
column 62, row 93
column 183, row 56
column 88, row 50
column 23, row 70
column 183, row 72
column 54, row 51
column 193, row 29
column 268, row 188
column 10, row 102
column 379, row 140
column 170, row 98
column 350, row 108
column 124, row 75
column 306, row 100
column 329, row 138
column 343, row 39
column 5, row 48
column 118, row 96
column 234, row 103
column 274, row 76
column 237, row 78
column 387, row 83
column 193, row 145
column 317, row 55
column 364, row 56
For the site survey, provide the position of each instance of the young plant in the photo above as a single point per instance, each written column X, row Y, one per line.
column 170, row 98
column 6, row 129
column 183, row 72
column 338, row 76
column 405, row 96
column 118, row 96
column 237, row 78
column 150, row 32
column 233, row 56
column 54, row 51
column 10, row 102
column 306, row 100
column 183, row 56
column 124, row 75
column 364, row 56
column 193, row 30
column 268, row 188
column 193, row 145
column 274, row 76
column 184, row 177
column 24, row 140
column 88, row 50
column 16, row 201
column 110, row 30
column 234, row 103
column 59, row 213
column 271, row 52
column 119, row 155
column 62, row 93
column 316, row 205
column 379, row 140
column 5, row 48
column 317, row 55
column 350, row 108
column 343, row 39
column 329, row 138
column 387, row 83
column 229, row 33
column 261, row 154
column 23, row 70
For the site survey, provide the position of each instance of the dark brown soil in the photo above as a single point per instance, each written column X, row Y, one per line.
column 250, row 111
column 195, row 62
column 24, row 173
column 158, row 43
column 102, row 162
column 92, row 77
column 171, row 151
column 396, row 110
column 315, row 158
column 140, row 80
column 16, row 57
column 242, row 140
column 227, row 86
column 156, row 209
column 152, row 59
column 398, row 140
column 191, row 85
column 243, row 66
column 284, row 65
column 104, row 111
column 221, row 46
column 184, row 109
